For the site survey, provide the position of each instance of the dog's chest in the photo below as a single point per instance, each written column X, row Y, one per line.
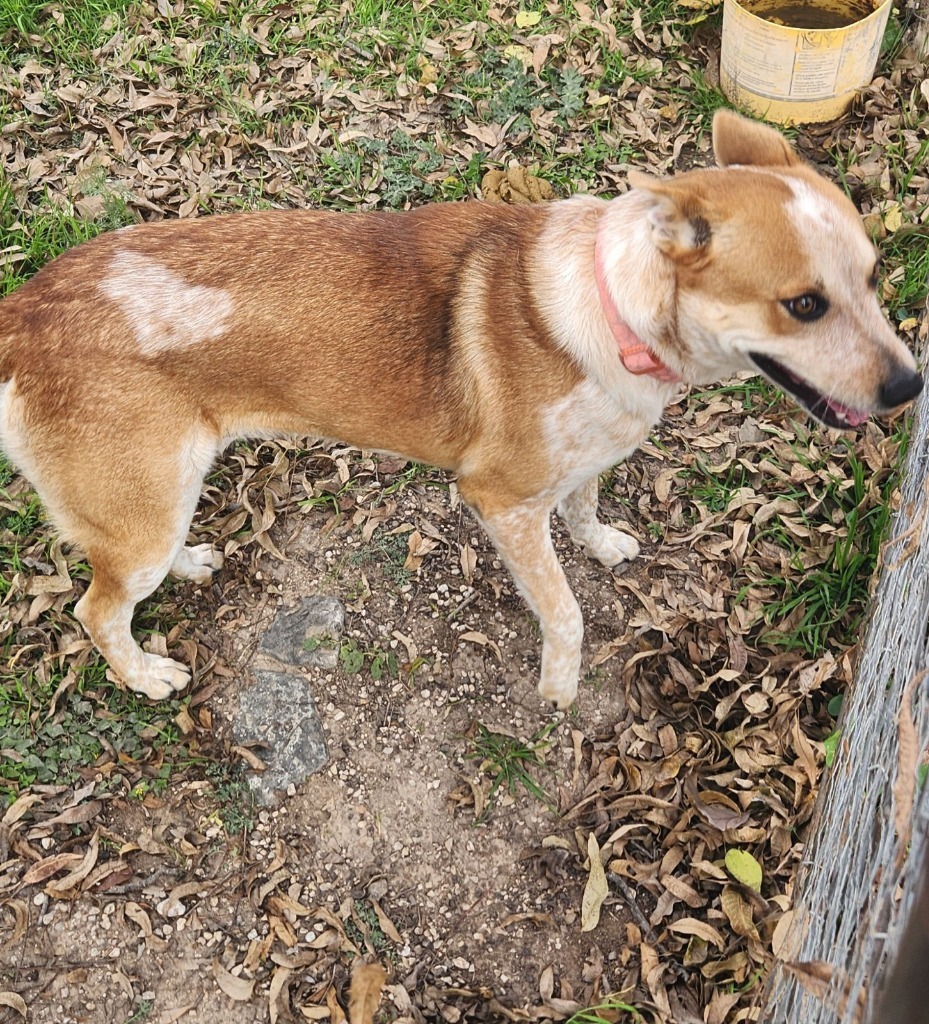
column 588, row 432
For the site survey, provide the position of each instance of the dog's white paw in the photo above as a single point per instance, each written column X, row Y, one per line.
column 561, row 694
column 611, row 546
column 197, row 563
column 159, row 678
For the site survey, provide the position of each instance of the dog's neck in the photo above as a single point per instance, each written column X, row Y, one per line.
column 636, row 356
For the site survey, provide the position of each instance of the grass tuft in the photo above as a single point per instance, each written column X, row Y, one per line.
column 510, row 762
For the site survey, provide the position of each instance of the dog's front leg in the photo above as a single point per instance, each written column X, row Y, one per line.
column 522, row 537
column 605, row 543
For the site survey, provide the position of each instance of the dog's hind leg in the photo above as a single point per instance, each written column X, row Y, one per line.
column 121, row 579
column 132, row 542
column 522, row 537
column 605, row 543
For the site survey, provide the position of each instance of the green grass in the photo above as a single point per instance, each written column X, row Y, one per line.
column 91, row 724
column 32, row 234
column 906, row 266
column 824, row 604
column 711, row 489
column 756, row 395
column 66, row 32
column 592, row 1015
column 510, row 762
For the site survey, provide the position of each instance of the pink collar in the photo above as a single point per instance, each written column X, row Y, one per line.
column 636, row 356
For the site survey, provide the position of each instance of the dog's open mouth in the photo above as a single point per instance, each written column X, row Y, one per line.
column 826, row 410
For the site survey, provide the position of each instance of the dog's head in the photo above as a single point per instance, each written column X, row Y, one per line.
column 776, row 273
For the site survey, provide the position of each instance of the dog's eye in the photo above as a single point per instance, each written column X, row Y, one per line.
column 809, row 306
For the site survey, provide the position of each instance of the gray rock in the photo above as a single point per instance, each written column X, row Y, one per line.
column 278, row 714
column 319, row 620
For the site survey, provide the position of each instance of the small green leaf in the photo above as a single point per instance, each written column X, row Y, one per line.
column 744, row 868
column 831, row 746
column 352, row 660
column 834, row 707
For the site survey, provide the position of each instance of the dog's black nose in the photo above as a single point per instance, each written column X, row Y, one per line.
column 902, row 387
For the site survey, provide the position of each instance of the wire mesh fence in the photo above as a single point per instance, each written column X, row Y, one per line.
column 869, row 851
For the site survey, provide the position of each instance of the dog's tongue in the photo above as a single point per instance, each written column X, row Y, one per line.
column 853, row 416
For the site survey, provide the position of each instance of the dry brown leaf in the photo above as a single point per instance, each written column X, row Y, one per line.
column 468, row 561
column 65, row 887
column 14, row 1001
column 20, row 806
column 826, row 982
column 336, row 1013
column 387, row 926
column 419, row 546
column 20, row 924
column 596, row 889
column 736, row 966
column 277, row 994
column 48, row 866
column 716, row 809
column 318, row 1012
column 907, row 765
column 239, row 989
column 693, row 926
column 365, row 993
column 720, row 1004
column 781, row 940
column 739, row 912
column 473, row 636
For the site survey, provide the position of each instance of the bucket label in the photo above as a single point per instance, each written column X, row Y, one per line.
column 782, row 65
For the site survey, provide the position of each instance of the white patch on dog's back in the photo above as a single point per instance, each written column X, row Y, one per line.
column 165, row 311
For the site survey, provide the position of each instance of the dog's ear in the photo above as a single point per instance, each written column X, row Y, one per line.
column 736, row 140
column 677, row 217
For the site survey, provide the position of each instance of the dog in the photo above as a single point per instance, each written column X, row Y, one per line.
column 527, row 349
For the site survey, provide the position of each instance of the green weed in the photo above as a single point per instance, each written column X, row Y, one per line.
column 364, row 929
column 381, row 661
column 237, row 810
column 389, row 552
column 91, row 719
column 509, row 762
column 142, row 1013
column 592, row 1015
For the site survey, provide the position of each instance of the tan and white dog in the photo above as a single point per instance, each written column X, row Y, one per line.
column 526, row 348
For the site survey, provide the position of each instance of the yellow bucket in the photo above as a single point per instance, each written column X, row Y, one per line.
column 795, row 75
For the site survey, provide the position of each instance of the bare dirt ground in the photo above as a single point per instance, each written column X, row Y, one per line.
column 388, row 830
